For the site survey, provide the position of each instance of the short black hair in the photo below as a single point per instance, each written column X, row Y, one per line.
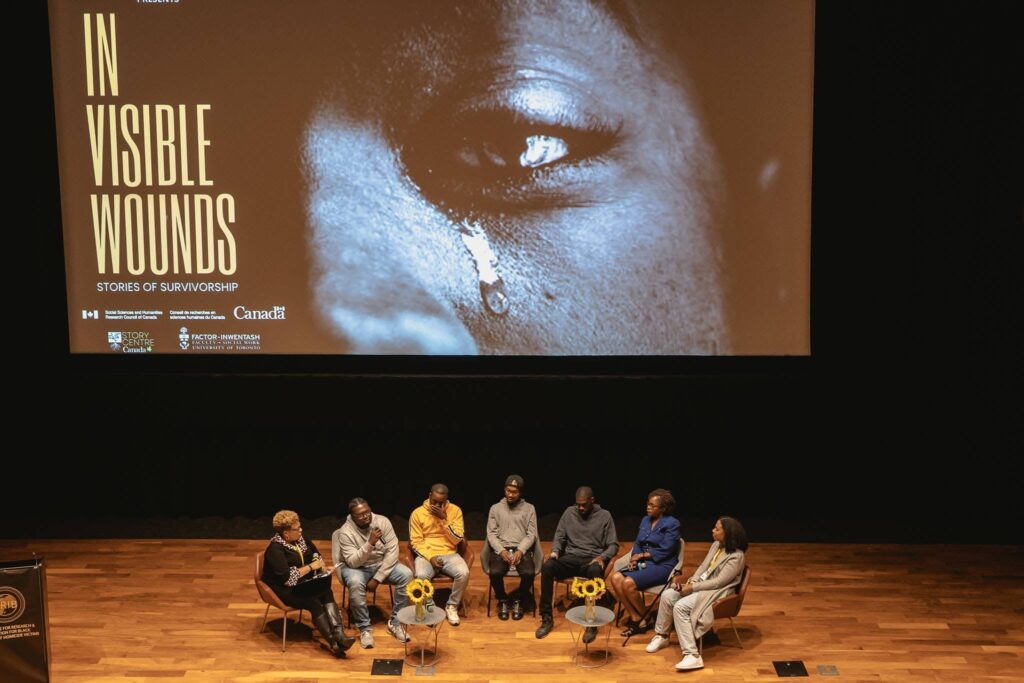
column 439, row 488
column 584, row 492
column 356, row 502
column 666, row 499
column 735, row 535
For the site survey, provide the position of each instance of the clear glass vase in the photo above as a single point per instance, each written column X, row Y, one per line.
column 589, row 613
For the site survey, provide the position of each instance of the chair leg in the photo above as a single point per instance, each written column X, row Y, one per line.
column 284, row 633
column 736, row 632
column 490, row 592
column 700, row 647
column 263, row 627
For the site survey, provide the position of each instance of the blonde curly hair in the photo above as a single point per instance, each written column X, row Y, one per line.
column 284, row 520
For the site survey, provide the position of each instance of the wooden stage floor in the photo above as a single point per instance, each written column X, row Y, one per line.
column 188, row 610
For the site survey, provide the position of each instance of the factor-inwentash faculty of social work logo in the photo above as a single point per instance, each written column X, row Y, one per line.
column 12, row 604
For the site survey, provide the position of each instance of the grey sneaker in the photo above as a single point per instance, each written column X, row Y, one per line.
column 395, row 629
column 366, row 639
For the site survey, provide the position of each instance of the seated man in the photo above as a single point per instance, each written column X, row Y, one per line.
column 585, row 542
column 365, row 551
column 435, row 531
column 511, row 534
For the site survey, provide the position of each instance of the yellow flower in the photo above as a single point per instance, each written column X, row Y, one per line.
column 600, row 586
column 428, row 588
column 589, row 588
column 414, row 589
column 577, row 587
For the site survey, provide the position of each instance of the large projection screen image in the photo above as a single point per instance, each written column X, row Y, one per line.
column 535, row 177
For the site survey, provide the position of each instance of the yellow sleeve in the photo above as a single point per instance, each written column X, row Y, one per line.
column 454, row 528
column 416, row 530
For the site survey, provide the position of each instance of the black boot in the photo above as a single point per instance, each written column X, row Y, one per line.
column 324, row 626
column 337, row 628
column 546, row 624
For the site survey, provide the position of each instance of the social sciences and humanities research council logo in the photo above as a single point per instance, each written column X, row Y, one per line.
column 12, row 604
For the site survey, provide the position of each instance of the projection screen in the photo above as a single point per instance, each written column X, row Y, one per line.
column 537, row 177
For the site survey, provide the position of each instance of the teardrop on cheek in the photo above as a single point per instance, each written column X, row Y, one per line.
column 492, row 288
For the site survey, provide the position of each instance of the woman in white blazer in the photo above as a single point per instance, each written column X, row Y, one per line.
column 687, row 603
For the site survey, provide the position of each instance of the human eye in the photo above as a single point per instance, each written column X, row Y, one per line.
column 530, row 145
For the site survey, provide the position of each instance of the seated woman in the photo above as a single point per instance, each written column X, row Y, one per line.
column 294, row 570
column 688, row 603
column 651, row 560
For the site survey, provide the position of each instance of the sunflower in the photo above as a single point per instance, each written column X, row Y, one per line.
column 416, row 592
column 428, row 588
column 600, row 586
column 589, row 588
column 577, row 587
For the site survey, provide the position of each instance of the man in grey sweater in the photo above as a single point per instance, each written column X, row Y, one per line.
column 511, row 534
column 365, row 553
column 585, row 542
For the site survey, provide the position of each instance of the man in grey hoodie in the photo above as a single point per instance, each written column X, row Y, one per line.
column 511, row 535
column 365, row 552
column 585, row 542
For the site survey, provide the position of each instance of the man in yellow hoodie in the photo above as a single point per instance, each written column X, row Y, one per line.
column 435, row 531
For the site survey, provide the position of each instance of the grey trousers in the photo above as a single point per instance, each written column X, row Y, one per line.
column 454, row 566
column 675, row 609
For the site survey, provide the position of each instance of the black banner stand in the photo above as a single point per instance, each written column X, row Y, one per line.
column 24, row 637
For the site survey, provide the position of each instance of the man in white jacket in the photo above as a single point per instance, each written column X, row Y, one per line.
column 365, row 552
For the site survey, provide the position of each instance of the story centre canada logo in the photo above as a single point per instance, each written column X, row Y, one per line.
column 131, row 342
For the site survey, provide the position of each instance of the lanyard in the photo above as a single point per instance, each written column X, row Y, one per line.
column 302, row 559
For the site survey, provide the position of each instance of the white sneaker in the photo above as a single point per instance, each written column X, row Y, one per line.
column 689, row 662
column 366, row 639
column 395, row 629
column 657, row 642
column 453, row 614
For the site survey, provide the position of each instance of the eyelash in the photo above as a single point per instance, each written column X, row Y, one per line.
column 473, row 163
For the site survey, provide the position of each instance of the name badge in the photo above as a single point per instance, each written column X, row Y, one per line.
column 704, row 576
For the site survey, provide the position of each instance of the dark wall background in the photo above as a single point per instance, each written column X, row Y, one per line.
column 904, row 425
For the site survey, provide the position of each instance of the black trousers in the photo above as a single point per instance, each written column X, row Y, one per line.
column 499, row 568
column 564, row 567
column 310, row 596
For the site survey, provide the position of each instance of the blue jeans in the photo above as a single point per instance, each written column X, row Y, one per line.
column 356, row 579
